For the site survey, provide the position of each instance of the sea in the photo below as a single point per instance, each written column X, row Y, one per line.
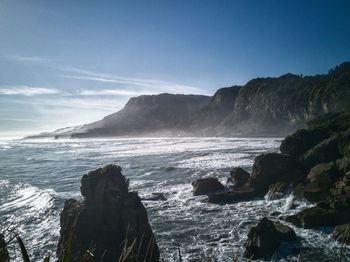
column 38, row 176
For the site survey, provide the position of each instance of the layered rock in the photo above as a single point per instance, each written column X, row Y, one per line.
column 264, row 239
column 263, row 106
column 111, row 222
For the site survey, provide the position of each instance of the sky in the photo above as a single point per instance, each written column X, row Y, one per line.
column 66, row 63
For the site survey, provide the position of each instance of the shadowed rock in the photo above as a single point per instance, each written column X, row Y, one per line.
column 238, row 177
column 264, row 239
column 271, row 168
column 342, row 233
column 206, row 186
column 110, row 222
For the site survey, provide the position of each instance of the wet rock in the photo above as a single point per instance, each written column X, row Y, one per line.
column 303, row 140
column 109, row 222
column 271, row 168
column 320, row 178
column 264, row 239
column 206, row 186
column 155, row 197
column 238, row 177
column 322, row 215
column 278, row 190
column 241, row 194
column 286, row 233
column 4, row 254
column 342, row 233
column 327, row 151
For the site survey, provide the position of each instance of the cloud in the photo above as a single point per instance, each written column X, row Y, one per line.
column 29, row 59
column 113, row 92
column 27, row 91
column 152, row 85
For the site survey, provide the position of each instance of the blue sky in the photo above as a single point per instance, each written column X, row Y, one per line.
column 65, row 63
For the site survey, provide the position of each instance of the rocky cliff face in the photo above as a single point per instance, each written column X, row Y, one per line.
column 165, row 114
column 264, row 106
column 111, row 224
column 286, row 103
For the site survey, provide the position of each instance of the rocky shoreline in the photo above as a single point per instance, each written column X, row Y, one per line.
column 313, row 166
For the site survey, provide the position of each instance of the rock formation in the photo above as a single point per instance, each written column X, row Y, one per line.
column 206, row 186
column 110, row 223
column 263, row 106
column 238, row 177
column 264, row 239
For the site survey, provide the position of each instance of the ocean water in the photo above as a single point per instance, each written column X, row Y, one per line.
column 37, row 176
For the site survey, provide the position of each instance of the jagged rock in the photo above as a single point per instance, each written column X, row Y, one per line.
column 155, row 197
column 324, row 152
column 240, row 194
column 110, row 220
column 206, row 186
column 4, row 254
column 342, row 233
column 278, row 190
column 320, row 178
column 303, row 140
column 322, row 215
column 238, row 177
column 271, row 168
column 265, row 238
column 286, row 233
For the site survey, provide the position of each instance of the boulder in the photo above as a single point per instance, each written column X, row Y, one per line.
column 342, row 233
column 206, row 186
column 285, row 232
column 111, row 222
column 278, row 190
column 240, row 194
column 264, row 239
column 238, row 177
column 271, row 168
column 4, row 254
column 326, row 151
column 322, row 215
column 320, row 178
column 303, row 140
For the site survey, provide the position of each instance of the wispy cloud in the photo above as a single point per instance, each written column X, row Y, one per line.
column 27, row 91
column 113, row 92
column 29, row 59
column 148, row 85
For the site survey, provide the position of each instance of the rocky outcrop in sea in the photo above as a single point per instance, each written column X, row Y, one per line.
column 111, row 224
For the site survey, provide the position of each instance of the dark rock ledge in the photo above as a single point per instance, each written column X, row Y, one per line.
column 110, row 224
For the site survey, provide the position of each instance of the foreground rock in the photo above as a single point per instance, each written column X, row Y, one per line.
column 111, row 223
column 238, row 177
column 206, row 186
column 342, row 233
column 264, row 239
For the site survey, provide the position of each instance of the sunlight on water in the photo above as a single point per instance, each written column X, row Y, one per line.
column 36, row 177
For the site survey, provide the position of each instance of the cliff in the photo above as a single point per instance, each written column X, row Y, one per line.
column 262, row 107
column 165, row 114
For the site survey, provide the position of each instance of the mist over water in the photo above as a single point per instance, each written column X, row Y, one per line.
column 37, row 176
